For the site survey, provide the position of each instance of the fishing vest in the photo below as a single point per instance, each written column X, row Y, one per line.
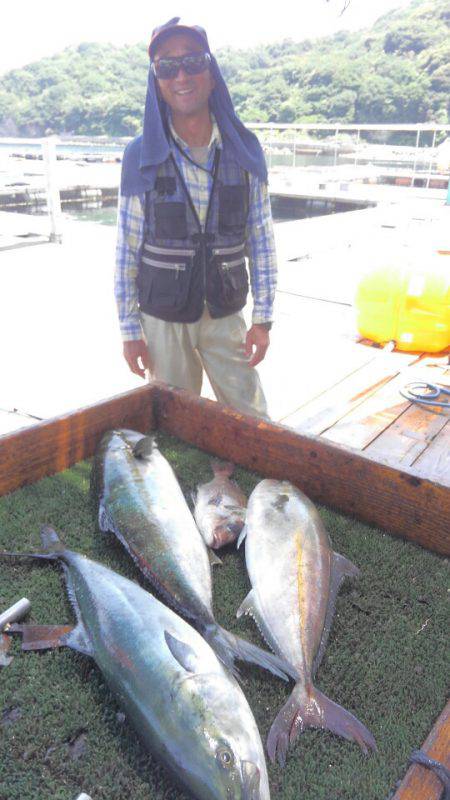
column 181, row 266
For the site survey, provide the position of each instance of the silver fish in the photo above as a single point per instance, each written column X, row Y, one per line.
column 185, row 706
column 220, row 507
column 295, row 577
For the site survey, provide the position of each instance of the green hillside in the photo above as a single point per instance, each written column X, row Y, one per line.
column 397, row 71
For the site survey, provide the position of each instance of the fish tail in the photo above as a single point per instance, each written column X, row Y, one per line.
column 309, row 708
column 229, row 648
column 53, row 547
column 222, row 468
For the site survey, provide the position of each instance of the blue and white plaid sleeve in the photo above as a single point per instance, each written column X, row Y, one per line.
column 130, row 236
column 261, row 252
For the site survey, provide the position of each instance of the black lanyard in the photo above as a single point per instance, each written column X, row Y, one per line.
column 191, row 160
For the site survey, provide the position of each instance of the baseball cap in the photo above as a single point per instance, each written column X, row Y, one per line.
column 160, row 33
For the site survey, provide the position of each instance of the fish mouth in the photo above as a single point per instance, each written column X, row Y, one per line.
column 251, row 778
column 225, row 534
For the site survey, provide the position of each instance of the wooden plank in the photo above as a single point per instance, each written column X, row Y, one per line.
column 397, row 501
column 413, row 433
column 48, row 447
column 363, row 424
column 331, row 406
column 408, row 437
column 368, row 420
column 435, row 461
column 419, row 783
column 345, row 358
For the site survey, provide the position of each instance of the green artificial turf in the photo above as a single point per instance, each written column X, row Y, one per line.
column 61, row 731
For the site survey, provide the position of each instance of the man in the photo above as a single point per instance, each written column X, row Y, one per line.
column 194, row 204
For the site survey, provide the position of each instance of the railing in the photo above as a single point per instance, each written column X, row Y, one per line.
column 408, row 153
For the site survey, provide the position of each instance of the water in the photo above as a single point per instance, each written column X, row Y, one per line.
column 70, row 149
column 105, row 215
column 108, row 215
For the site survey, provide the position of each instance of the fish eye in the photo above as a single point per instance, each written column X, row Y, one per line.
column 225, row 757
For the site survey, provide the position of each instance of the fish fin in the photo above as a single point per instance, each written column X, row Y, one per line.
column 229, row 647
column 214, row 559
column 344, row 567
column 52, row 547
column 247, row 606
column 44, row 556
column 222, row 468
column 42, row 637
column 105, row 523
column 77, row 639
column 251, row 780
column 242, row 536
column 312, row 709
column 51, row 541
column 194, row 496
column 341, row 568
column 144, row 447
column 182, row 652
column 439, row 769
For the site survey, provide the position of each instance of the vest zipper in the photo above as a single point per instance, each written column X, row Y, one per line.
column 164, row 265
column 228, row 251
column 167, row 251
column 231, row 264
column 202, row 234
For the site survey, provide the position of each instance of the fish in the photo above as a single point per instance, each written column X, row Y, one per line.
column 295, row 578
column 188, row 710
column 141, row 502
column 220, row 507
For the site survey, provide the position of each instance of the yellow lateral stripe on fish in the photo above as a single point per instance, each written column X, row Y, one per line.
column 301, row 588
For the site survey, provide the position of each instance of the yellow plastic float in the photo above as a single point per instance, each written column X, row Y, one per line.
column 408, row 304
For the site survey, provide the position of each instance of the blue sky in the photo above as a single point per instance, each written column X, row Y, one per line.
column 32, row 29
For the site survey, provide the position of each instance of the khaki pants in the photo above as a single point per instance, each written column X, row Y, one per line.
column 180, row 351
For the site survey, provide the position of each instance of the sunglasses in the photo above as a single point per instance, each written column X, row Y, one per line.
column 191, row 64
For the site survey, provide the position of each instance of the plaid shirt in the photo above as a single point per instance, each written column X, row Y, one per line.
column 259, row 239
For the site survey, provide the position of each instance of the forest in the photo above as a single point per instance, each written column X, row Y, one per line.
column 397, row 71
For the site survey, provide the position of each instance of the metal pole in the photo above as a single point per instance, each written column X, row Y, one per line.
column 293, row 151
column 433, row 148
column 335, row 146
column 53, row 198
column 15, row 612
column 415, row 157
column 356, row 148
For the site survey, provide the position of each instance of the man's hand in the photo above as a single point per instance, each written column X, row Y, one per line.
column 136, row 356
column 256, row 343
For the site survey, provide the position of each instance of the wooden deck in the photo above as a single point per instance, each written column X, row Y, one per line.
column 362, row 410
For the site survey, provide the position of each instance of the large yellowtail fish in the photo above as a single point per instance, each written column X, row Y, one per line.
column 295, row 577
column 184, row 705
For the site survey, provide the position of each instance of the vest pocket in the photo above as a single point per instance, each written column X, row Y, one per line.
column 233, row 280
column 170, row 221
column 233, row 210
column 164, row 284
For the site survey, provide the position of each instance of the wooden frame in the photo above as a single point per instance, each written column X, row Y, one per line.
column 419, row 783
column 396, row 500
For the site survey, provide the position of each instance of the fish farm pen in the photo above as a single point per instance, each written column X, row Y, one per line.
column 62, row 731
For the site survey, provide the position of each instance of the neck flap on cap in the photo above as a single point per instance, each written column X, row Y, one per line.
column 154, row 147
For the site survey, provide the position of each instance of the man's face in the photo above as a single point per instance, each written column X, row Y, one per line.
column 187, row 95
